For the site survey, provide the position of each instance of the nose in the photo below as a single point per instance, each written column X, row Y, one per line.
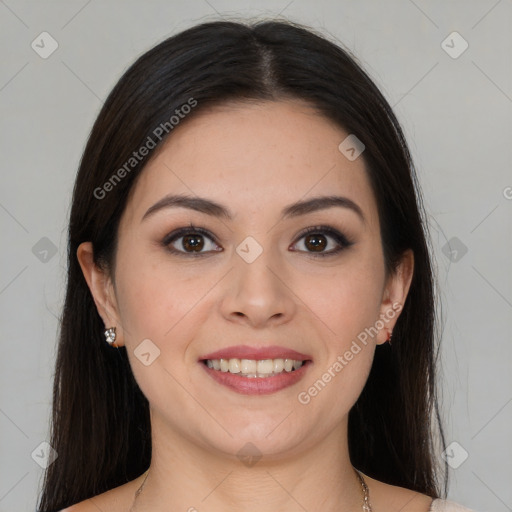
column 258, row 293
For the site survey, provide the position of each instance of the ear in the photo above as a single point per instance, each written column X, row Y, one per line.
column 102, row 289
column 395, row 294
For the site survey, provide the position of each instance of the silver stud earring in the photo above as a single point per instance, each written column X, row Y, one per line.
column 110, row 336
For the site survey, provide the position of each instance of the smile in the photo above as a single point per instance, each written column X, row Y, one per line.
column 256, row 377
column 254, row 368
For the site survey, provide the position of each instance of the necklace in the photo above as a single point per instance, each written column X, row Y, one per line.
column 138, row 491
column 366, row 492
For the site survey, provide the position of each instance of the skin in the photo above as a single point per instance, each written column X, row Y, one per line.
column 255, row 159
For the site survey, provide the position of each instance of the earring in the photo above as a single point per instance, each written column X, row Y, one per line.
column 110, row 336
column 390, row 333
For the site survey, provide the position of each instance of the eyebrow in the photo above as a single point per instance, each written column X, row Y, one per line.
column 214, row 209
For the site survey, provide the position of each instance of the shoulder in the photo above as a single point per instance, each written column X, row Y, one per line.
column 440, row 505
column 396, row 499
column 90, row 505
column 399, row 499
column 95, row 504
column 118, row 499
column 83, row 506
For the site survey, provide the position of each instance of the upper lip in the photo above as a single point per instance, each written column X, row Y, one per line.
column 248, row 352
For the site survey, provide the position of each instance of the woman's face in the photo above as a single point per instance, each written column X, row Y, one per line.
column 252, row 278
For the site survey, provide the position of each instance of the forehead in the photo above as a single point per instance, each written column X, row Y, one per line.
column 255, row 158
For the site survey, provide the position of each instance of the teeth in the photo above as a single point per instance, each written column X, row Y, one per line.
column 278, row 365
column 297, row 365
column 248, row 366
column 234, row 365
column 252, row 368
column 265, row 366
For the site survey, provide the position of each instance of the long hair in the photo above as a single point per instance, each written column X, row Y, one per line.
column 100, row 423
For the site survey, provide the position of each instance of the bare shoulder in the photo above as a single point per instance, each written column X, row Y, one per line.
column 94, row 504
column 118, row 499
column 396, row 499
column 83, row 506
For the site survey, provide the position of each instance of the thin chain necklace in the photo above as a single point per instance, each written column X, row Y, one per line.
column 366, row 492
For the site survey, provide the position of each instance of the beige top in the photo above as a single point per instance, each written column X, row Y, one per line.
column 440, row 505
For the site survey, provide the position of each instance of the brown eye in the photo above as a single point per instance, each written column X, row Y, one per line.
column 316, row 243
column 319, row 238
column 193, row 241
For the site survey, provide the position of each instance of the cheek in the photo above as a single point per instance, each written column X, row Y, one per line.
column 149, row 299
column 163, row 303
column 153, row 305
column 349, row 309
column 347, row 298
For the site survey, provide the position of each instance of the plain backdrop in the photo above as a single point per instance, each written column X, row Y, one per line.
column 445, row 67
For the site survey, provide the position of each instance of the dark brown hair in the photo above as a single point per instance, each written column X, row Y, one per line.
column 100, row 424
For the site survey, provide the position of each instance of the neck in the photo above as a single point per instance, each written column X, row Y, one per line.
column 185, row 476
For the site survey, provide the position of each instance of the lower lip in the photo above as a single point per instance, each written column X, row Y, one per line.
column 257, row 385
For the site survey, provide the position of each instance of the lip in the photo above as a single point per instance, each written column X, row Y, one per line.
column 248, row 352
column 257, row 385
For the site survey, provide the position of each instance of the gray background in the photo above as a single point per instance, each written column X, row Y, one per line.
column 456, row 113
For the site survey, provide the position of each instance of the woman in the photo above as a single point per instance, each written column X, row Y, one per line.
column 249, row 321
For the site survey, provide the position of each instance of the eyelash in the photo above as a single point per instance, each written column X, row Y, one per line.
column 340, row 238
